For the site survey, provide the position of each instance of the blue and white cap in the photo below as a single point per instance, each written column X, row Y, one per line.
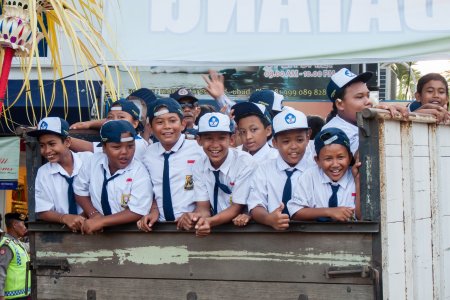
column 289, row 119
column 51, row 125
column 214, row 122
column 343, row 78
column 111, row 132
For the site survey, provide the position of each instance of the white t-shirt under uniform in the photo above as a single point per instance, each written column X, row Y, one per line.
column 132, row 189
column 51, row 189
column 313, row 190
column 235, row 172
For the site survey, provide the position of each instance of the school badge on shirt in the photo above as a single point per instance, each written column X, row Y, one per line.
column 189, row 180
column 126, row 194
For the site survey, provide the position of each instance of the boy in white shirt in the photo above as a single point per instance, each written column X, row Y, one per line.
column 112, row 187
column 330, row 190
column 54, row 196
column 221, row 179
column 271, row 185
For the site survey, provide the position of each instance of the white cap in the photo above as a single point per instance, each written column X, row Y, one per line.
column 289, row 119
column 51, row 125
column 214, row 122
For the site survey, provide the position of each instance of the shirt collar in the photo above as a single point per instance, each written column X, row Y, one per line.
column 353, row 126
column 226, row 164
column 343, row 182
column 57, row 168
column 175, row 147
column 262, row 152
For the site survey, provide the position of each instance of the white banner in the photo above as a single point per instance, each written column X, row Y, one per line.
column 262, row 32
column 9, row 162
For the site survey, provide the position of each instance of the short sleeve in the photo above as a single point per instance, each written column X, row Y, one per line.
column 141, row 192
column 302, row 194
column 200, row 188
column 43, row 199
column 83, row 179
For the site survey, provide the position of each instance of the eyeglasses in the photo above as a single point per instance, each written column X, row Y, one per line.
column 188, row 105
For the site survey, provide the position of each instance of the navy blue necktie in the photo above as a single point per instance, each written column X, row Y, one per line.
column 70, row 195
column 167, row 196
column 105, row 202
column 333, row 201
column 218, row 185
column 287, row 190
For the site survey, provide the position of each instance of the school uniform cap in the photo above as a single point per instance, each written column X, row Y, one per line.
column 126, row 106
column 164, row 106
column 145, row 94
column 270, row 99
column 51, row 125
column 343, row 78
column 289, row 119
column 183, row 93
column 16, row 216
column 111, row 132
column 214, row 122
column 330, row 136
column 245, row 109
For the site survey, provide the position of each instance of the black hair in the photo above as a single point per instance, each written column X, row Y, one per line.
column 315, row 123
column 332, row 113
column 429, row 77
column 204, row 109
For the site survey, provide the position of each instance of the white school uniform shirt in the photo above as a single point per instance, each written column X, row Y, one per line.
column 313, row 190
column 266, row 152
column 268, row 182
column 140, row 148
column 132, row 188
column 350, row 130
column 185, row 156
column 51, row 189
column 235, row 172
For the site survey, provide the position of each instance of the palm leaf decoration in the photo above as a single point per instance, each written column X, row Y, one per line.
column 24, row 23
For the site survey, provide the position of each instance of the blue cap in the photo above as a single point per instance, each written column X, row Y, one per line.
column 245, row 109
column 343, row 78
column 111, row 131
column 51, row 125
column 270, row 99
column 126, row 106
column 170, row 105
column 183, row 93
column 145, row 94
column 331, row 136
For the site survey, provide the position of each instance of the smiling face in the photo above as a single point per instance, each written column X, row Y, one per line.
column 253, row 134
column 216, row 145
column 334, row 160
column 434, row 92
column 54, row 148
column 167, row 128
column 119, row 154
column 121, row 115
column 355, row 99
column 291, row 145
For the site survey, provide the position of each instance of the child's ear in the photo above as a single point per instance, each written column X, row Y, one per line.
column 199, row 142
column 232, row 139
column 183, row 124
column 418, row 97
column 135, row 123
column 274, row 143
column 67, row 142
column 269, row 131
column 339, row 104
column 316, row 158
column 308, row 133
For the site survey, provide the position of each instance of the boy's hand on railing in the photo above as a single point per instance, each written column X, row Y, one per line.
column 279, row 220
column 241, row 220
column 91, row 226
column 74, row 222
column 147, row 221
column 187, row 221
column 203, row 227
column 341, row 214
column 356, row 166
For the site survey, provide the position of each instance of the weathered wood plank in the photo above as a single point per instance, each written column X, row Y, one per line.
column 73, row 288
column 302, row 257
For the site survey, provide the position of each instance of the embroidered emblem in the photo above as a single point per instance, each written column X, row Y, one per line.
column 213, row 121
column 290, row 119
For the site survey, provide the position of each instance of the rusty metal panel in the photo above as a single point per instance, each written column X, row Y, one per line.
column 72, row 288
column 265, row 257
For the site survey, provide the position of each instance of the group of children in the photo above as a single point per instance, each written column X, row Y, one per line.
column 275, row 175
